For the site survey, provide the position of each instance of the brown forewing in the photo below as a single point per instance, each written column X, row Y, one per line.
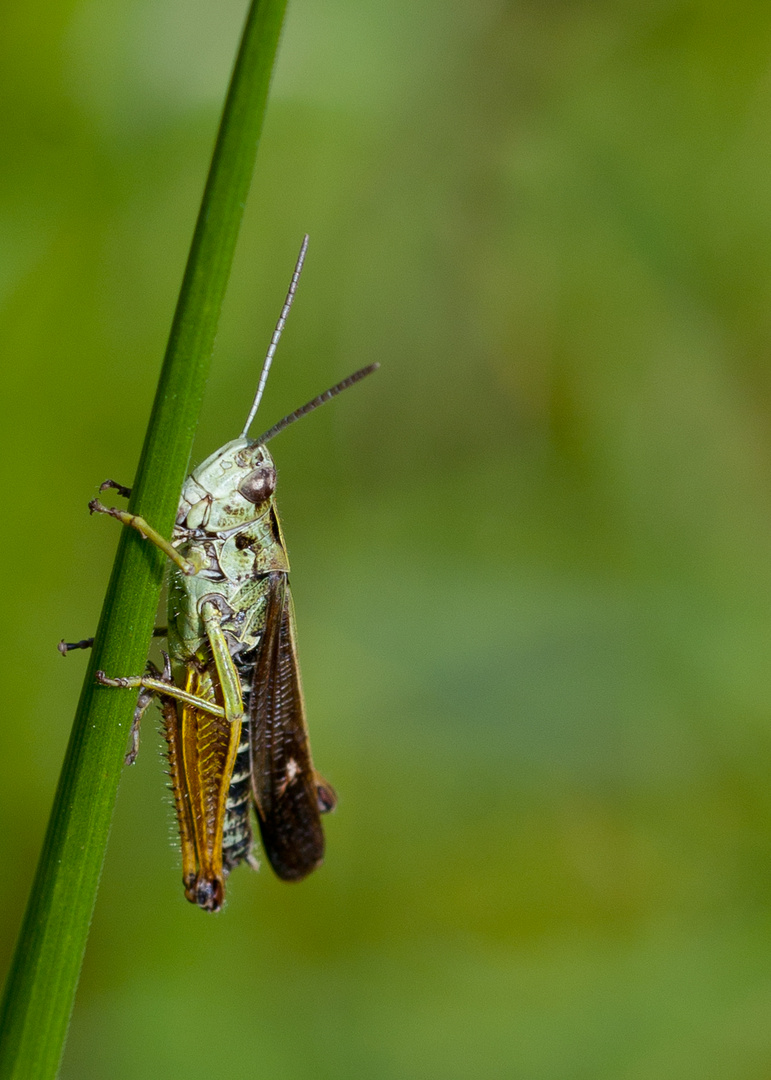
column 284, row 782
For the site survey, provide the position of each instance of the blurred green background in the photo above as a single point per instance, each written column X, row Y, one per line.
column 531, row 558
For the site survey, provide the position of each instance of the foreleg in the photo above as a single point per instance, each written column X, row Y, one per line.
column 146, row 531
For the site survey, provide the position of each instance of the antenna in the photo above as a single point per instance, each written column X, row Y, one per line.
column 326, row 396
column 276, row 336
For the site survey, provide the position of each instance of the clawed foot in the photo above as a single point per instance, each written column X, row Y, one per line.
column 67, row 646
column 97, row 507
column 105, row 680
column 120, row 488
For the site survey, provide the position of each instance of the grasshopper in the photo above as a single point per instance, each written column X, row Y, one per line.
column 230, row 693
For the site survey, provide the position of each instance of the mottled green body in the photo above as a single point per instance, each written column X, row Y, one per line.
column 233, row 544
column 227, row 527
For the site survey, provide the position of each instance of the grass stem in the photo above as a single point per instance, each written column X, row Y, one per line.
column 40, row 989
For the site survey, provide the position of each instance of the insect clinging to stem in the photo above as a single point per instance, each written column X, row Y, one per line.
column 230, row 693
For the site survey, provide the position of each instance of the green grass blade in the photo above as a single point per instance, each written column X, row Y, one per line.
column 40, row 990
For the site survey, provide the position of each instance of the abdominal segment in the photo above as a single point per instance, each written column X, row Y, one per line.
column 237, row 839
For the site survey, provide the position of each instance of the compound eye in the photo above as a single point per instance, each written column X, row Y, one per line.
column 259, row 485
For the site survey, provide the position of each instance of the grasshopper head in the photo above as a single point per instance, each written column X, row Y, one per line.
column 230, row 489
column 235, row 485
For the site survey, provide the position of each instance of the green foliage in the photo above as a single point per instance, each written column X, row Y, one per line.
column 44, row 973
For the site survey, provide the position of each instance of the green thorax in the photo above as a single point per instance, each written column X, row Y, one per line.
column 228, row 527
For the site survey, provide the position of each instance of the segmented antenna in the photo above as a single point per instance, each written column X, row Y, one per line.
column 326, row 396
column 276, row 335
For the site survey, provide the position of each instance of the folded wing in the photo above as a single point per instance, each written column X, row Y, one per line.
column 288, row 793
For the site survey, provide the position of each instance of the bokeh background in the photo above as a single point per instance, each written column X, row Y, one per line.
column 531, row 557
